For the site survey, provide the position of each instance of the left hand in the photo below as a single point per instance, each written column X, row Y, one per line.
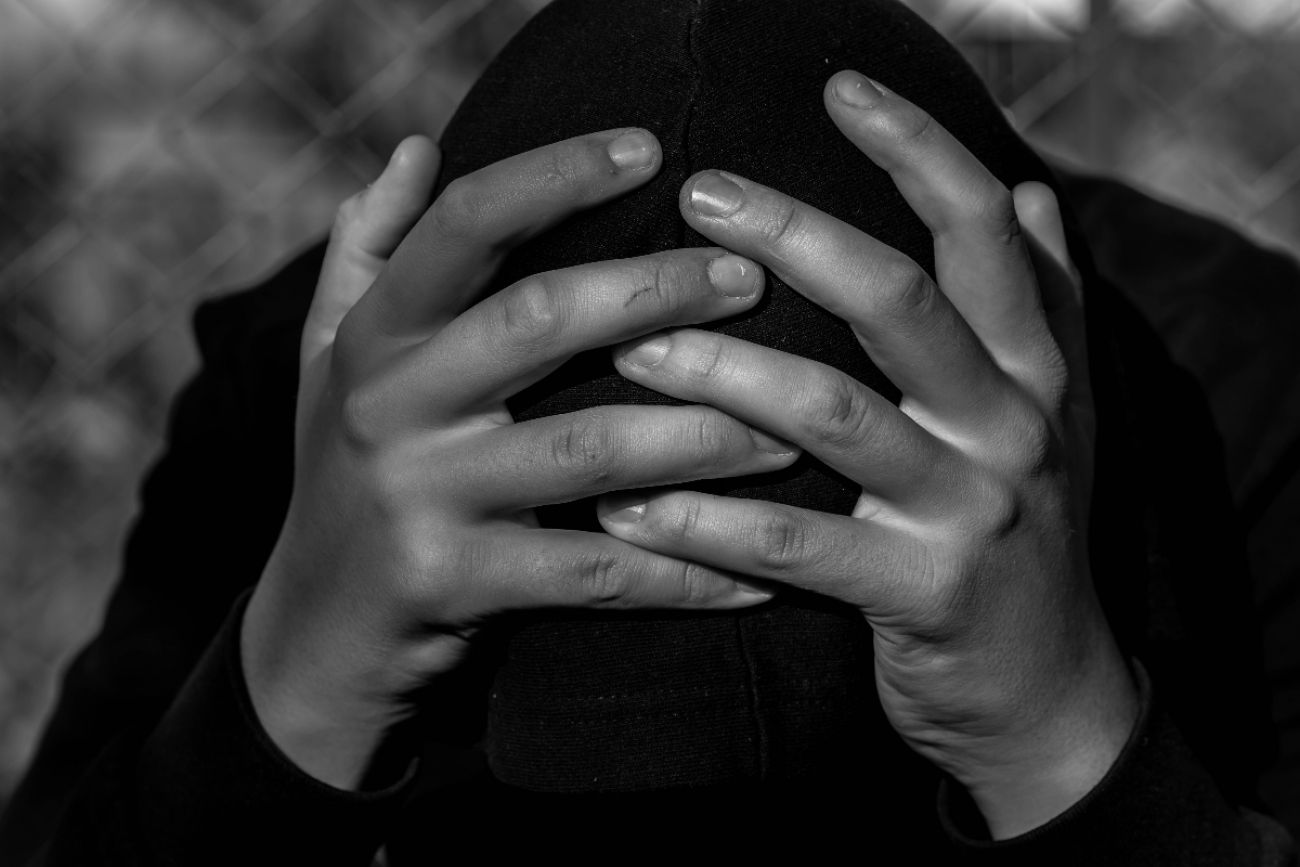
column 966, row 551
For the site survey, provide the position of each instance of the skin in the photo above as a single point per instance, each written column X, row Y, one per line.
column 410, row 523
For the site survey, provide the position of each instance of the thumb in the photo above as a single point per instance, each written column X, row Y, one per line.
column 1059, row 281
column 367, row 229
column 1040, row 216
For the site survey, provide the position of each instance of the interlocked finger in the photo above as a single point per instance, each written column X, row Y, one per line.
column 529, row 568
column 455, row 248
column 519, row 335
column 906, row 324
column 561, row 458
column 857, row 561
column 828, row 413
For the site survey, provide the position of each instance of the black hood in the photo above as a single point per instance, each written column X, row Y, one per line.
column 611, row 702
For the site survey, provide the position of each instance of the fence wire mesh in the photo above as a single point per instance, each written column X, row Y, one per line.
column 154, row 152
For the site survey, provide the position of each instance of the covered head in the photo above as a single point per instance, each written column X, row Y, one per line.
column 623, row 703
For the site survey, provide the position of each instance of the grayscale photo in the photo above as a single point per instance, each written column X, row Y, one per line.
column 805, row 431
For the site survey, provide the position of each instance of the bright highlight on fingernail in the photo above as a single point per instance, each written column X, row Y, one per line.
column 628, row 514
column 769, row 444
column 649, row 352
column 733, row 276
column 750, row 593
column 632, row 150
column 715, row 196
column 857, row 91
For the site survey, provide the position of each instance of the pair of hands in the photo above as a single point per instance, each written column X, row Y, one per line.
column 410, row 524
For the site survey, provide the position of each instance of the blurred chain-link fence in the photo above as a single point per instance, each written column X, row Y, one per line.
column 153, row 152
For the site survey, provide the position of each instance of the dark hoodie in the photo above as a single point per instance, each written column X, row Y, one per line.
column 750, row 733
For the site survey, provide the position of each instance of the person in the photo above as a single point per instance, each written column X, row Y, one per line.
column 889, row 572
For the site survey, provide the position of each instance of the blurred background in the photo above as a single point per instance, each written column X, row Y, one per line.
column 156, row 152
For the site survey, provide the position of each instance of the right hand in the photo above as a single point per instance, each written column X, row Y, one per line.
column 410, row 523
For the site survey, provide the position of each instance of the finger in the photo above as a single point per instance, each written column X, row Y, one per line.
column 536, row 568
column 837, row 419
column 1040, row 215
column 981, row 260
column 558, row 459
column 908, row 327
column 858, row 561
column 456, row 246
column 367, row 229
column 520, row 335
column 1061, row 285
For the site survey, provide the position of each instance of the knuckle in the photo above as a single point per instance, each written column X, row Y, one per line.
column 841, row 413
column 586, row 450
column 708, row 359
column 531, row 316
column 1028, row 444
column 995, row 213
column 914, row 126
column 783, row 543
column 669, row 280
column 909, row 294
column 1036, row 444
column 710, row 434
column 459, row 212
column 605, row 578
column 697, row 584
column 999, row 512
column 783, row 226
column 362, row 419
column 679, row 519
column 565, row 168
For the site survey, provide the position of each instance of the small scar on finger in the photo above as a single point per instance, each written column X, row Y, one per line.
column 635, row 295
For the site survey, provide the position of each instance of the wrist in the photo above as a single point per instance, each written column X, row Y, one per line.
column 327, row 701
column 322, row 731
column 330, row 674
column 1028, row 778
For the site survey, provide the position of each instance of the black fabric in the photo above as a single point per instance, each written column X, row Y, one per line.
column 788, row 690
column 778, row 745
column 183, row 775
column 1153, row 776
column 1228, row 311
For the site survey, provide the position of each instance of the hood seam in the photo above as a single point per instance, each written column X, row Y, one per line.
column 761, row 754
column 688, row 114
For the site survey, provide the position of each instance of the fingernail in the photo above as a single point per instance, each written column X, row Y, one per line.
column 750, row 593
column 648, row 353
column 631, row 150
column 857, row 91
column 715, row 196
column 733, row 276
column 625, row 509
column 771, row 445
